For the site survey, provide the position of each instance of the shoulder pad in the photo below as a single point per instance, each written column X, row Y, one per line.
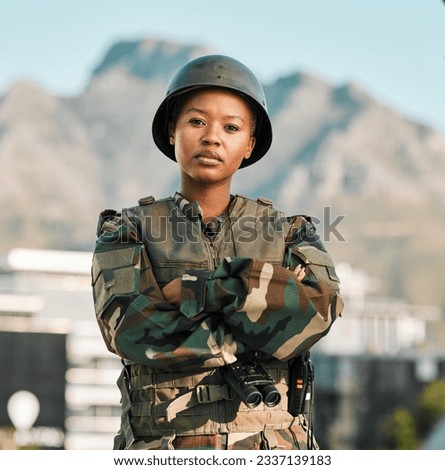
column 264, row 201
column 302, row 229
column 104, row 216
column 300, row 219
column 145, row 201
column 107, row 213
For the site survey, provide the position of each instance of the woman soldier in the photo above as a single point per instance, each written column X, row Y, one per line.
column 212, row 300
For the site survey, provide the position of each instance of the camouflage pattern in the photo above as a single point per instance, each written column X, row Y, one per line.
column 240, row 299
column 292, row 438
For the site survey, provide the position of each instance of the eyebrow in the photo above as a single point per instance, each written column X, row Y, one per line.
column 198, row 110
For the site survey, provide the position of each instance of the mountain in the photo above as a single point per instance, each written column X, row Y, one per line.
column 370, row 177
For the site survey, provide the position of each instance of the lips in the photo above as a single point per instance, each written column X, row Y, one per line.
column 208, row 157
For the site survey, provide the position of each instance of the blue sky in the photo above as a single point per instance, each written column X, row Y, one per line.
column 394, row 49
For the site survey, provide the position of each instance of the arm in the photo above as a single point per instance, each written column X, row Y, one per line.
column 266, row 307
column 271, row 308
column 173, row 290
column 136, row 321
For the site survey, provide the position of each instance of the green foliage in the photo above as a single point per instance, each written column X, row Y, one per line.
column 401, row 430
column 430, row 406
column 432, row 400
column 405, row 429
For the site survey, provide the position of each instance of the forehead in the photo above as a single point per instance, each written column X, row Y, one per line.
column 214, row 97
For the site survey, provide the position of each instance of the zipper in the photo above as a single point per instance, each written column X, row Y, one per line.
column 214, row 255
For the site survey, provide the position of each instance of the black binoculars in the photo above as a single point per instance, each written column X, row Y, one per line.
column 252, row 384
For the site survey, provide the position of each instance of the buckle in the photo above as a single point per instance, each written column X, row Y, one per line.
column 212, row 393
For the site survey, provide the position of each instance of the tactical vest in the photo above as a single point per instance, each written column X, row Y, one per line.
column 253, row 229
column 159, row 403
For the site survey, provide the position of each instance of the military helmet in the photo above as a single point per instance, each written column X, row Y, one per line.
column 215, row 71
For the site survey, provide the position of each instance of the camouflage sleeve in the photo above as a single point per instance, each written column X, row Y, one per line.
column 266, row 307
column 135, row 320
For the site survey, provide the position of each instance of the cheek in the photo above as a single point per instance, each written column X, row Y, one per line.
column 183, row 152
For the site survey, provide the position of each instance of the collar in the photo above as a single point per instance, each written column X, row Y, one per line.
column 193, row 212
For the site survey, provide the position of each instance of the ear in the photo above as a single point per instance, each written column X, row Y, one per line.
column 171, row 133
column 250, row 148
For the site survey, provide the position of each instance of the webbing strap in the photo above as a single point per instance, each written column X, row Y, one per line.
column 201, row 394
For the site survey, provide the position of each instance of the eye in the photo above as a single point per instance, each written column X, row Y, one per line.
column 231, row 128
column 196, row 121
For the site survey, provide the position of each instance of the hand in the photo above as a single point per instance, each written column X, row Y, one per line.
column 172, row 292
column 300, row 272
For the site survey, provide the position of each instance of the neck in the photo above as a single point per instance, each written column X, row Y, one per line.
column 212, row 200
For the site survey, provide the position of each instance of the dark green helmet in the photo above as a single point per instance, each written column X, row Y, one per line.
column 215, row 71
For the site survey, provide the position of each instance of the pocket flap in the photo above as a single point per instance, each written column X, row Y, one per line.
column 113, row 259
column 312, row 255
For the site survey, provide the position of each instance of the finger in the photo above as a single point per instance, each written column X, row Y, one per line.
column 301, row 275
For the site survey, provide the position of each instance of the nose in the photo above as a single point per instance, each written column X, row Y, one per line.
column 211, row 135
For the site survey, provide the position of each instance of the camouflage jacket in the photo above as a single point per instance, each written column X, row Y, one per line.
column 235, row 301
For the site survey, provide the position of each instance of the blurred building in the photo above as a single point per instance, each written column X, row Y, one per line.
column 379, row 356
column 49, row 292
column 45, row 291
column 381, row 326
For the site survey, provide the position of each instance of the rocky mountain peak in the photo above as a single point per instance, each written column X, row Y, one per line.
column 148, row 58
column 25, row 101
